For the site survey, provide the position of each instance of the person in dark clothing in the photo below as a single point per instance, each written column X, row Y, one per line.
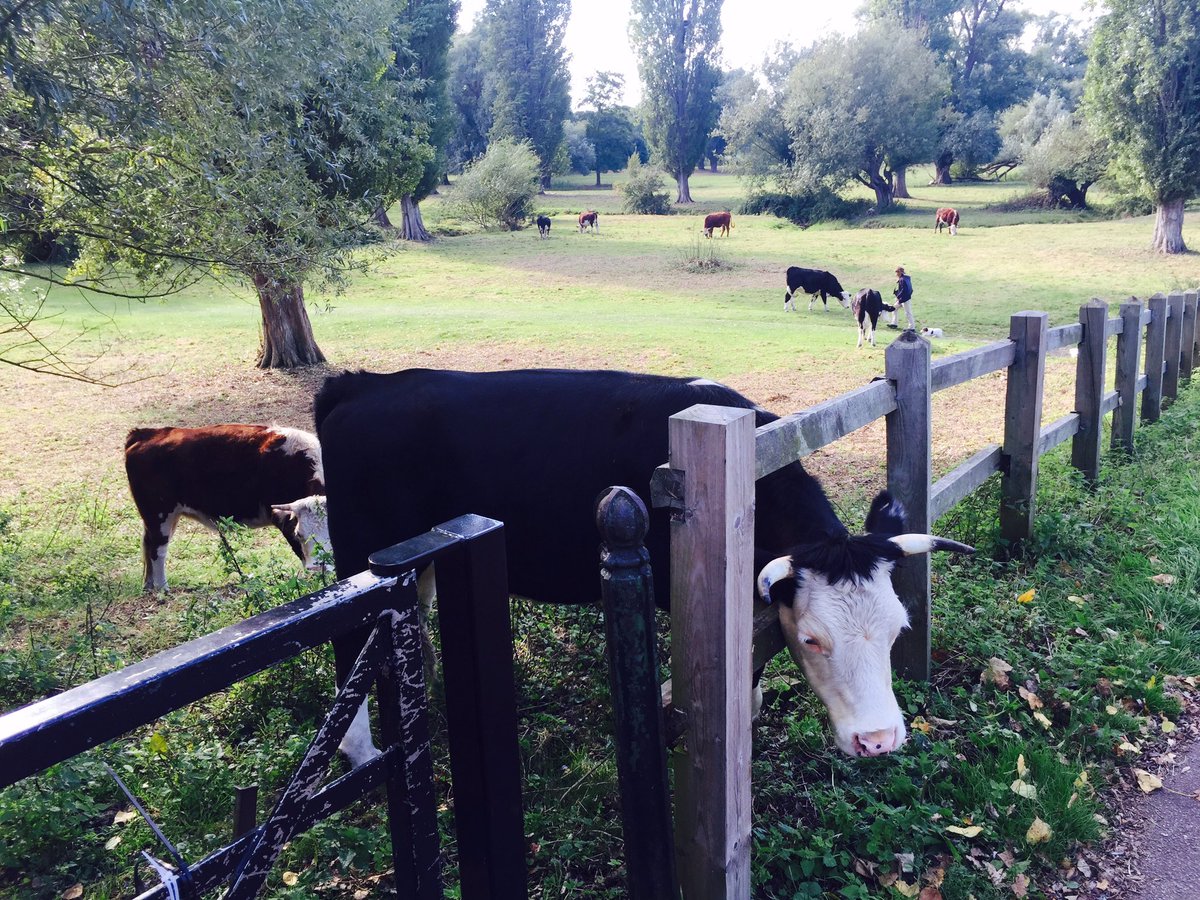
column 903, row 295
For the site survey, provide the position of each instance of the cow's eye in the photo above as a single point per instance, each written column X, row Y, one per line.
column 812, row 645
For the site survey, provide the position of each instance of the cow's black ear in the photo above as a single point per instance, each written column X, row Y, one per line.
column 886, row 516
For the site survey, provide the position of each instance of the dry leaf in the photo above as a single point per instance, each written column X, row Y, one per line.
column 967, row 831
column 112, row 842
column 1078, row 601
column 1167, row 725
column 1164, row 579
column 124, row 816
column 74, row 892
column 1042, row 719
column 362, row 894
column 1020, row 885
column 1071, row 802
column 1147, row 781
column 1034, row 701
column 1111, row 710
column 1022, row 769
column 887, row 879
column 919, row 724
column 930, row 893
column 1028, row 596
column 1038, row 832
column 1082, row 779
column 1126, row 747
column 290, row 878
column 996, row 673
column 906, row 889
column 1024, row 789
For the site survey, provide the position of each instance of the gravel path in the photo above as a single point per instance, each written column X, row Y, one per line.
column 1170, row 846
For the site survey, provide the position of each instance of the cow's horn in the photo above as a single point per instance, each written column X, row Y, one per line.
column 775, row 570
column 914, row 544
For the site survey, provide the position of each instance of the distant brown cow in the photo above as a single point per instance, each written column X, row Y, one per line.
column 720, row 220
column 948, row 217
column 589, row 217
column 252, row 474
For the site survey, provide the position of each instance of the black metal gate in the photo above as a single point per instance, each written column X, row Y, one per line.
column 481, row 717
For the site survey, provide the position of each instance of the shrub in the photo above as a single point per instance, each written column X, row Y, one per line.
column 499, row 187
column 644, row 190
column 820, row 205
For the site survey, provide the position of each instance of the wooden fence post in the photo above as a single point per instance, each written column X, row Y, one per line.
column 627, row 591
column 712, row 577
column 1173, row 347
column 1022, row 426
column 1089, row 389
column 1187, row 344
column 1156, row 344
column 1129, row 346
column 910, row 474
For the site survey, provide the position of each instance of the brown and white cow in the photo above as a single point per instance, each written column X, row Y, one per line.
column 948, row 217
column 722, row 220
column 254, row 474
column 589, row 218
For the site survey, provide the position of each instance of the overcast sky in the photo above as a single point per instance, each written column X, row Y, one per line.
column 598, row 39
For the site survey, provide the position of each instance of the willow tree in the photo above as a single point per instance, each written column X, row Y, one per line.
column 677, row 43
column 1143, row 92
column 175, row 141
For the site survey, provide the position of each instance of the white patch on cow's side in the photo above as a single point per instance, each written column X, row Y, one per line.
column 296, row 442
column 841, row 635
column 357, row 745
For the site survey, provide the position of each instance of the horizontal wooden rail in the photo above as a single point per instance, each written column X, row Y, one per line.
column 1147, row 315
column 1114, row 326
column 954, row 486
column 1057, row 432
column 793, row 437
column 1110, row 402
column 1063, row 336
column 970, row 364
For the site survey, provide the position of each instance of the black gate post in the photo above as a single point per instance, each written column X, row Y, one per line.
column 628, row 595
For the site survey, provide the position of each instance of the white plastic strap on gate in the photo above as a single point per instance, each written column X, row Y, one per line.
column 168, row 876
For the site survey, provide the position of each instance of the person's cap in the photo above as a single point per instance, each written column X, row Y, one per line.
column 899, row 270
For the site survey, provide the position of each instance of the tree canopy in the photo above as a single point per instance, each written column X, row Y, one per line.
column 179, row 140
column 1143, row 93
column 677, row 43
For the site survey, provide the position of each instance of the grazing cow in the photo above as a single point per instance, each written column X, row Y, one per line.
column 402, row 455
column 948, row 217
column 589, row 218
column 543, row 224
column 813, row 282
column 252, row 474
column 722, row 220
column 868, row 304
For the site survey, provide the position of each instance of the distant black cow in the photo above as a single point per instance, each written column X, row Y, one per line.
column 543, row 224
column 868, row 304
column 813, row 282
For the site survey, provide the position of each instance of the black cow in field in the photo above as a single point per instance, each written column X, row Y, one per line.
column 868, row 304
column 543, row 224
column 403, row 453
column 813, row 282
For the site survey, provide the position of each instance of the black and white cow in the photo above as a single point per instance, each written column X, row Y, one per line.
column 868, row 304
column 813, row 282
column 543, row 224
column 403, row 453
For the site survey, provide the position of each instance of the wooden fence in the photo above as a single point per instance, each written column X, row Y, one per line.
column 480, row 719
column 717, row 455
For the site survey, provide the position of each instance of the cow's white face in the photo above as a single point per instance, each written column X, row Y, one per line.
column 954, row 229
column 305, row 524
column 845, row 298
column 841, row 635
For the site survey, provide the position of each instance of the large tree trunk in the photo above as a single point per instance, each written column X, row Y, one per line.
column 412, row 226
column 681, row 178
column 1168, row 227
column 900, row 184
column 381, row 217
column 882, row 186
column 597, row 176
column 545, row 183
column 942, row 167
column 287, row 338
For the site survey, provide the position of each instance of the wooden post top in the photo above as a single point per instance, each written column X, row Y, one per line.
column 713, row 415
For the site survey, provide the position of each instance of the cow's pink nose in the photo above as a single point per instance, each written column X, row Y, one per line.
column 875, row 743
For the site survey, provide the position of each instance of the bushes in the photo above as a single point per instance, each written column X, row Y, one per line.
column 820, row 205
column 499, row 187
column 644, row 190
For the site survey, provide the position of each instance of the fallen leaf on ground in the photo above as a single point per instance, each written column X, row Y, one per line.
column 290, row 878
column 1020, row 885
column 112, row 842
column 1028, row 596
column 1078, row 601
column 124, row 816
column 1038, row 831
column 1164, row 579
column 74, row 892
column 1126, row 747
column 966, row 831
column 996, row 672
column 1034, row 701
column 1024, row 789
column 1167, row 725
column 1147, row 781
column 906, row 889
column 1042, row 719
column 930, row 893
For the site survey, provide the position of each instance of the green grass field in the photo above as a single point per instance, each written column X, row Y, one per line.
column 627, row 297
